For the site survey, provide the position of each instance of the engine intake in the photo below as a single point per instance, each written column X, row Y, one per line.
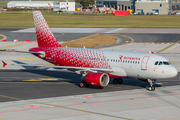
column 97, row 79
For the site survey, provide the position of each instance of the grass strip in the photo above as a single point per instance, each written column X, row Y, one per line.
column 1, row 37
column 92, row 21
column 3, row 3
column 91, row 41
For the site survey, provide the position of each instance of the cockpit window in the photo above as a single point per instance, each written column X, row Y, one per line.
column 156, row 63
column 166, row 63
column 160, row 63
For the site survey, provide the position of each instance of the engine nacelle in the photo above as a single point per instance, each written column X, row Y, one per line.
column 97, row 79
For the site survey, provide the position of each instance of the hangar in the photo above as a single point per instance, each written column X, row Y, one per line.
column 55, row 5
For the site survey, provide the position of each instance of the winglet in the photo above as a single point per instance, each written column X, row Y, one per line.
column 4, row 64
column 151, row 52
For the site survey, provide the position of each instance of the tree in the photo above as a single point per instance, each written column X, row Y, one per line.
column 85, row 2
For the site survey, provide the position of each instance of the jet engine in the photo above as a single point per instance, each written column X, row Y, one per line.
column 96, row 79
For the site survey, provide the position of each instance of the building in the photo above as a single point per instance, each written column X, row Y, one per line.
column 116, row 4
column 161, row 7
column 175, row 5
column 55, row 5
column 30, row 4
column 67, row 6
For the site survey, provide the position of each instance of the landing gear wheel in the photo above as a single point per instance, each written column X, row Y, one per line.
column 82, row 84
column 115, row 81
column 86, row 85
column 120, row 81
column 152, row 88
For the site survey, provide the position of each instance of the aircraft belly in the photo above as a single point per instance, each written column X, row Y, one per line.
column 136, row 72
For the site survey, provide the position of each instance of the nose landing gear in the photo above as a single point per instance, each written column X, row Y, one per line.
column 151, row 83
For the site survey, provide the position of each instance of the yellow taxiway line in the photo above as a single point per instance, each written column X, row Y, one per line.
column 41, row 79
column 12, row 46
column 167, row 47
column 28, row 58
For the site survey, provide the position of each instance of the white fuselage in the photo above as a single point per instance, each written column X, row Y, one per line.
column 140, row 65
column 123, row 63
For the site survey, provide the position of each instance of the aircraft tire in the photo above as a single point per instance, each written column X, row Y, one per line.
column 120, row 81
column 115, row 81
column 82, row 84
column 152, row 88
column 87, row 85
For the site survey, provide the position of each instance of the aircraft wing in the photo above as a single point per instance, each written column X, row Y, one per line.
column 14, row 50
column 86, row 69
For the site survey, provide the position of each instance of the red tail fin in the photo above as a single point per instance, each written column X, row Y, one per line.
column 45, row 37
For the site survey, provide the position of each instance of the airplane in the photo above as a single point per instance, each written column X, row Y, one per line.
column 97, row 66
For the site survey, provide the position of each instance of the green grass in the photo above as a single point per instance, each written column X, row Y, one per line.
column 1, row 37
column 3, row 3
column 66, row 20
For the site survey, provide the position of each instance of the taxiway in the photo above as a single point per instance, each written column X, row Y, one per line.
column 29, row 93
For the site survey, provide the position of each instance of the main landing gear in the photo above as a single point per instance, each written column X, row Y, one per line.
column 83, row 84
column 117, row 81
column 151, row 83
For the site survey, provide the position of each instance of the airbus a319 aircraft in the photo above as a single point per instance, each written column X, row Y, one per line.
column 97, row 66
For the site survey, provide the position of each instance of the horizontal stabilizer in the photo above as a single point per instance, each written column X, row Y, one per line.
column 4, row 64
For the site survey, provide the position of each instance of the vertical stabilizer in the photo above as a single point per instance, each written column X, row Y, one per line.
column 45, row 37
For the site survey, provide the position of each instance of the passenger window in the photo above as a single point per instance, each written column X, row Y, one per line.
column 156, row 63
column 160, row 63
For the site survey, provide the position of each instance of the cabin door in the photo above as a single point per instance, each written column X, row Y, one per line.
column 144, row 63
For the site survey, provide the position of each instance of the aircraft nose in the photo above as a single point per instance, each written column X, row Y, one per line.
column 173, row 71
